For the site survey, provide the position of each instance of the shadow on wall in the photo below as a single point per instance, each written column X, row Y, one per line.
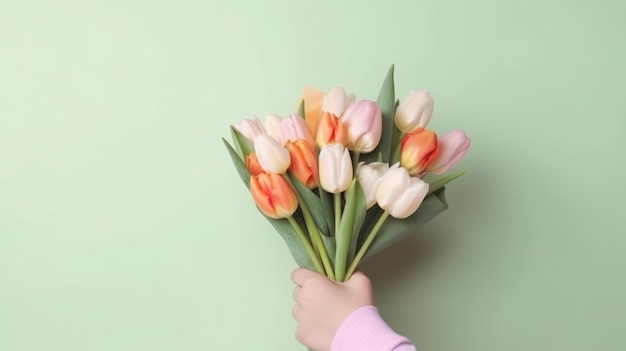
column 409, row 256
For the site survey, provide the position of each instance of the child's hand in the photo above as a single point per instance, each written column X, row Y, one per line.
column 322, row 305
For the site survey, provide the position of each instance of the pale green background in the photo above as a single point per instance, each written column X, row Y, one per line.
column 123, row 225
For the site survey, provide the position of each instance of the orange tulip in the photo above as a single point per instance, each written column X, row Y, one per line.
column 418, row 149
column 331, row 131
column 303, row 162
column 273, row 195
column 313, row 99
column 253, row 165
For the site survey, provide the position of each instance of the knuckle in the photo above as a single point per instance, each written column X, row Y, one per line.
column 300, row 335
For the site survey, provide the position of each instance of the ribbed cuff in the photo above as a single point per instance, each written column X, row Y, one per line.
column 365, row 330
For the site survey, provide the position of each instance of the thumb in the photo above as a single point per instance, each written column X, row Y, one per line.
column 359, row 281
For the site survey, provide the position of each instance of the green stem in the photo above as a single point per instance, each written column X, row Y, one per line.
column 337, row 212
column 366, row 244
column 314, row 233
column 307, row 245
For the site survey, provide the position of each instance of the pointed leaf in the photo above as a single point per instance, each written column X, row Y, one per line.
column 396, row 229
column 241, row 168
column 301, row 110
column 282, row 226
column 243, row 145
column 331, row 248
column 441, row 182
column 313, row 203
column 327, row 208
column 294, row 244
column 351, row 221
column 360, row 213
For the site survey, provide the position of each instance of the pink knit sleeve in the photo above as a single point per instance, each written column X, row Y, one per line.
column 365, row 330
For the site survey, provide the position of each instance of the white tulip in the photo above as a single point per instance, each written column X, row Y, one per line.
column 272, row 156
column 414, row 111
column 400, row 194
column 337, row 101
column 370, row 176
column 335, row 168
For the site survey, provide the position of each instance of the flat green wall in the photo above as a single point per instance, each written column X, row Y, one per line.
column 123, row 225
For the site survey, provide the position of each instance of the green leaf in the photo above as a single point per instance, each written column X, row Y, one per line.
column 301, row 109
column 441, row 182
column 242, row 144
column 395, row 158
column 349, row 227
column 359, row 218
column 313, row 202
column 331, row 248
column 282, row 226
column 294, row 244
column 241, row 168
column 327, row 208
column 396, row 229
column 387, row 103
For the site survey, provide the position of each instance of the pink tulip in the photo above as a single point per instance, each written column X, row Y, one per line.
column 452, row 147
column 364, row 124
column 250, row 128
column 295, row 128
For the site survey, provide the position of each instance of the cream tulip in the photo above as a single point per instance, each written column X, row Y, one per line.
column 370, row 176
column 336, row 101
column 272, row 156
column 335, row 167
column 273, row 126
column 415, row 111
column 400, row 194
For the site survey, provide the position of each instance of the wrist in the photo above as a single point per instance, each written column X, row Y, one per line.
column 365, row 330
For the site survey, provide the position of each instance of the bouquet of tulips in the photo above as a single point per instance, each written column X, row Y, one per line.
column 342, row 179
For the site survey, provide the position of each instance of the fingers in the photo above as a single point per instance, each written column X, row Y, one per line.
column 360, row 279
column 301, row 275
column 296, row 293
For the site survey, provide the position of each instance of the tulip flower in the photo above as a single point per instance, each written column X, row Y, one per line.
column 250, row 128
column 273, row 126
column 400, row 194
column 313, row 99
column 330, row 131
column 418, row 149
column 370, row 176
column 253, row 165
column 295, row 128
column 364, row 124
column 335, row 167
column 452, row 147
column 273, row 195
column 336, row 101
column 415, row 111
column 272, row 156
column 303, row 162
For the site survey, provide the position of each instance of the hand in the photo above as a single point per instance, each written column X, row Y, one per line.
column 322, row 305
